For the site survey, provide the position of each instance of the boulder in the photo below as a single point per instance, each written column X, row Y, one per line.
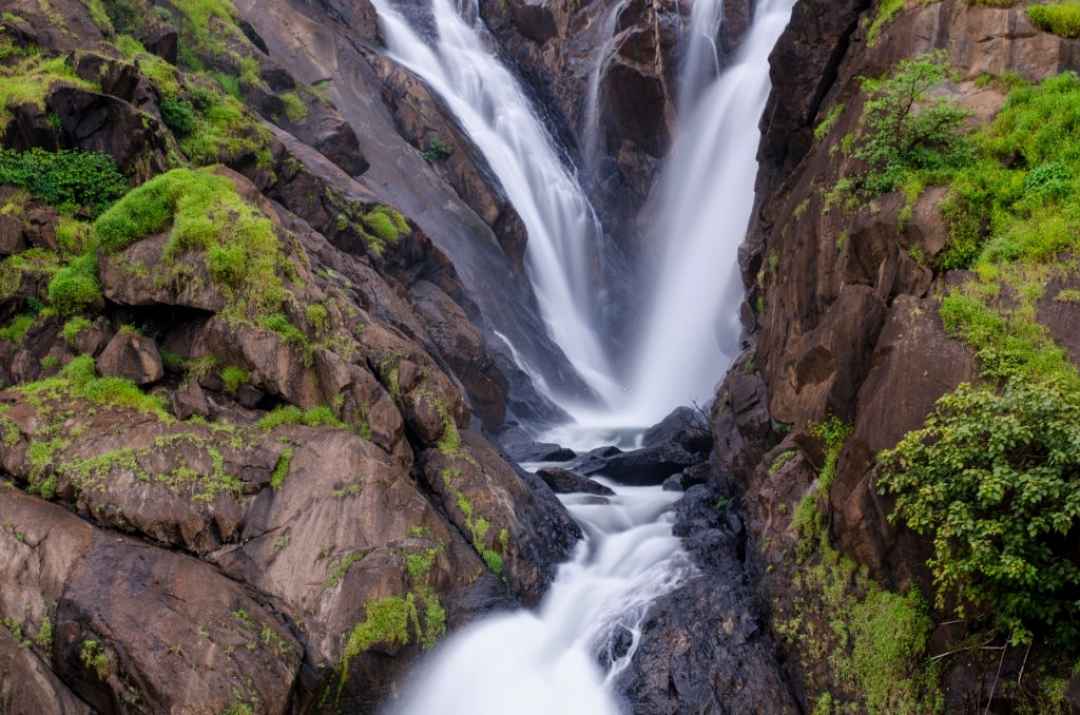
column 206, row 637
column 563, row 481
column 685, row 426
column 133, row 357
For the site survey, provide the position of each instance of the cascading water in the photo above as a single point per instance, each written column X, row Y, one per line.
column 545, row 662
column 563, row 231
column 591, row 129
column 706, row 194
column 549, row 661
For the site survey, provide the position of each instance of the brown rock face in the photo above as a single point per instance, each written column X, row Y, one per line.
column 131, row 356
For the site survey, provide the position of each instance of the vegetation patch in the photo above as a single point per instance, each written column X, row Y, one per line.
column 291, row 415
column 68, row 180
column 887, row 10
column 1061, row 18
column 206, row 214
column 29, row 80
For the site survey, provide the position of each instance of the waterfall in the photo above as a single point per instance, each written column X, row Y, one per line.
column 591, row 129
column 563, row 230
column 545, row 662
column 565, row 656
column 706, row 194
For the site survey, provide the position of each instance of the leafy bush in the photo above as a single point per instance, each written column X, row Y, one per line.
column 233, row 377
column 66, row 179
column 179, row 116
column 994, row 480
column 1059, row 18
column 906, row 131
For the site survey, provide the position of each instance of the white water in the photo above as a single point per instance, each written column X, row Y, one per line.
column 601, row 58
column 706, row 194
column 563, row 231
column 545, row 662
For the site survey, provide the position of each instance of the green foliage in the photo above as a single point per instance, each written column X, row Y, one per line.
column 828, row 122
column 280, row 324
column 904, row 130
column 339, row 568
column 386, row 622
column 179, row 116
column 75, row 287
column 69, row 180
column 17, row 328
column 224, row 130
column 206, row 214
column 437, row 150
column 295, row 109
column 1062, row 18
column 95, row 658
column 44, row 637
column 318, row 316
column 79, row 379
column 281, row 469
column 386, row 223
column 233, row 378
column 993, row 479
column 889, row 632
column 887, row 10
column 1018, row 198
column 781, row 459
column 291, row 415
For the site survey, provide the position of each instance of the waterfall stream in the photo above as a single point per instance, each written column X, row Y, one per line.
column 545, row 662
column 565, row 656
column 564, row 233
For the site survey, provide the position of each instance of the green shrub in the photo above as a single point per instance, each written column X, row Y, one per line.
column 437, row 150
column 280, row 324
column 66, row 179
column 993, row 479
column 1062, row 18
column 75, row 287
column 179, row 116
column 74, row 327
column 904, row 130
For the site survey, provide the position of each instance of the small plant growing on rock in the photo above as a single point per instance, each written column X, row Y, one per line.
column 179, row 116
column 437, row 150
column 94, row 658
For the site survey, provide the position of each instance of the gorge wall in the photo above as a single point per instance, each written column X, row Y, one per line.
column 850, row 349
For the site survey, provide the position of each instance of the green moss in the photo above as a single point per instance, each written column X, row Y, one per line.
column 224, row 131
column 337, row 569
column 205, row 214
column 75, row 287
column 1061, row 18
column 386, row 622
column 29, row 80
column 318, row 317
column 78, row 379
column 781, row 459
column 887, row 10
column 828, row 122
column 280, row 324
column 281, row 469
column 234, row 377
column 295, row 109
column 889, row 632
column 17, row 328
column 291, row 415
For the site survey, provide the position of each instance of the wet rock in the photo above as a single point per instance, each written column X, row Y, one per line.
column 563, row 481
column 674, row 483
column 131, row 356
column 685, row 426
column 704, row 646
column 640, row 467
column 527, row 533
column 206, row 633
column 520, row 448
